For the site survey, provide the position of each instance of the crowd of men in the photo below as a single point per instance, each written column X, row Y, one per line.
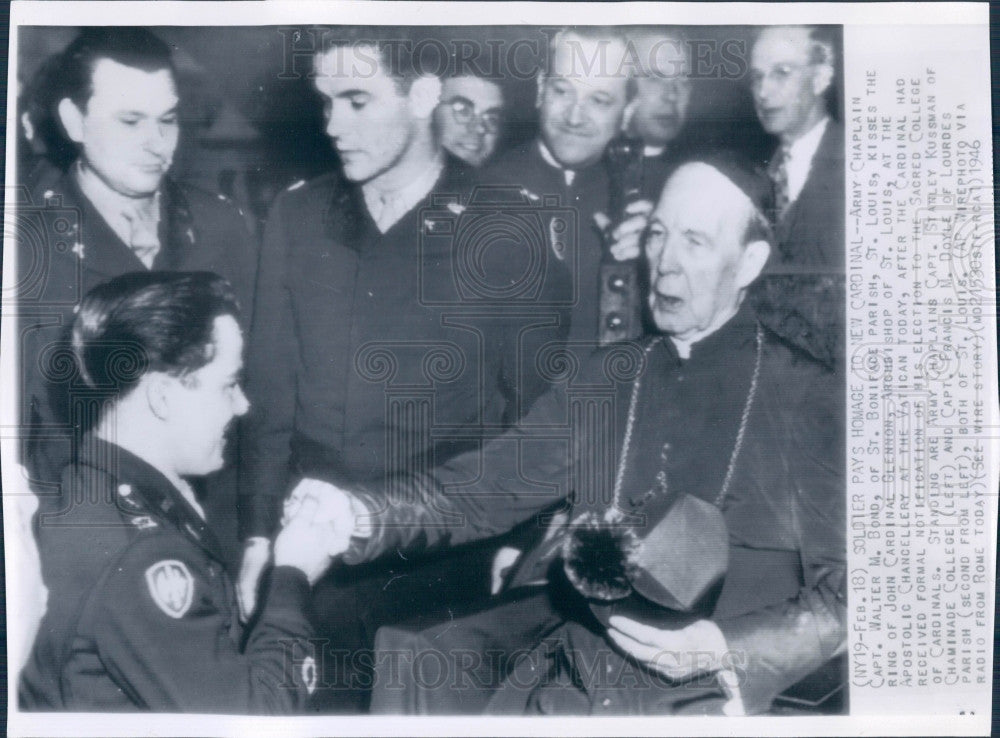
column 435, row 427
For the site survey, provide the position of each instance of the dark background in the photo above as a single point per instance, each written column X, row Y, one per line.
column 252, row 123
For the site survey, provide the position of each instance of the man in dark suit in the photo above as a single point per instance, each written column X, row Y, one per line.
column 383, row 339
column 791, row 70
column 115, row 210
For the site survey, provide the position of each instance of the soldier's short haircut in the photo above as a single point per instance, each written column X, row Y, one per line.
column 148, row 322
column 396, row 48
column 129, row 46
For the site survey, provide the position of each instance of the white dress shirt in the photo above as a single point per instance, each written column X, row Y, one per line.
column 800, row 158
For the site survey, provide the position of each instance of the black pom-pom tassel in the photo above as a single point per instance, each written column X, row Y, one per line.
column 598, row 558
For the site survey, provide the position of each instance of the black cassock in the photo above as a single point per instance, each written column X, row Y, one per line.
column 782, row 603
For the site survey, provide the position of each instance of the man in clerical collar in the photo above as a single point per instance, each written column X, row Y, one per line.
column 583, row 90
column 115, row 210
column 706, row 512
column 791, row 73
column 141, row 612
column 354, row 274
column 581, row 98
column 658, row 113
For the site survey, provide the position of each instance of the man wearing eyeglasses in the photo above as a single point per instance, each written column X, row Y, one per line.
column 791, row 74
column 791, row 71
column 469, row 119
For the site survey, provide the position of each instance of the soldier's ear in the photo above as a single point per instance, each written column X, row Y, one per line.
column 71, row 118
column 425, row 94
column 157, row 390
column 752, row 261
column 539, row 90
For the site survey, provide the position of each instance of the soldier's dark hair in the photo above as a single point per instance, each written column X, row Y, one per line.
column 129, row 46
column 148, row 322
column 397, row 50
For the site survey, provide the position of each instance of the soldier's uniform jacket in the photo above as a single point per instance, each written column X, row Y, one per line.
column 374, row 352
column 65, row 248
column 142, row 614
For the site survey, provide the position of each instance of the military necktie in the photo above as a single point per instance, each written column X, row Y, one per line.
column 144, row 239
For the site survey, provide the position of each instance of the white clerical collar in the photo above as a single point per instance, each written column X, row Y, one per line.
column 684, row 345
column 568, row 174
column 653, row 151
column 388, row 206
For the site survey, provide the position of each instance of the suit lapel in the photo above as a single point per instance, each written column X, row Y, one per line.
column 827, row 155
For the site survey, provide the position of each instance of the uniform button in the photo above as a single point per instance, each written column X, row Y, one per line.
column 606, row 702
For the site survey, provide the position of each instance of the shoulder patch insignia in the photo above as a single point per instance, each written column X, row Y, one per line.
column 296, row 185
column 309, row 674
column 142, row 522
column 171, row 586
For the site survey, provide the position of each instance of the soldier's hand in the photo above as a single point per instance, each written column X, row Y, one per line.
column 626, row 237
column 256, row 554
column 307, row 542
column 332, row 505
